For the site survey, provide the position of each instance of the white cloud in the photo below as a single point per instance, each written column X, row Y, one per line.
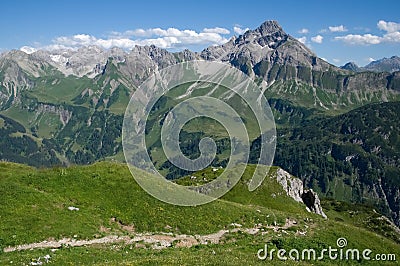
column 28, row 49
column 303, row 39
column 216, row 30
column 356, row 39
column 163, row 38
column 303, row 31
column 340, row 28
column 336, row 60
column 170, row 32
column 370, row 59
column 239, row 30
column 317, row 39
column 388, row 26
column 76, row 40
column 392, row 35
column 110, row 43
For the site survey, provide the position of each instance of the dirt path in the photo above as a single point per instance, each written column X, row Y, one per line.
column 156, row 241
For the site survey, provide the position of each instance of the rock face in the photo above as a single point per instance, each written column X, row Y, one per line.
column 292, row 185
column 142, row 61
column 294, row 189
column 311, row 200
column 89, row 61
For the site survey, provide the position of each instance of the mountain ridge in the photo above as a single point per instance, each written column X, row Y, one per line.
column 267, row 54
column 390, row 65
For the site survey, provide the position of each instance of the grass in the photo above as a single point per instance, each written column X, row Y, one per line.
column 34, row 206
column 59, row 89
column 21, row 116
column 47, row 124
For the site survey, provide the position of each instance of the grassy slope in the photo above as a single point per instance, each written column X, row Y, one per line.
column 34, row 208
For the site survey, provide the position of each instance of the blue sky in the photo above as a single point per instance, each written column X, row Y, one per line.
column 338, row 31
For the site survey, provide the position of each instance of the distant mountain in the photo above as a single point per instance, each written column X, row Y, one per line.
column 391, row 64
column 257, row 51
column 89, row 61
column 382, row 65
column 351, row 66
column 287, row 69
column 283, row 66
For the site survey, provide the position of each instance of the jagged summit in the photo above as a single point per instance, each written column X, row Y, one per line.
column 352, row 66
column 269, row 27
column 270, row 34
column 391, row 64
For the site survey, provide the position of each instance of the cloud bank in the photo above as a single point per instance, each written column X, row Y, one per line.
column 163, row 38
column 392, row 35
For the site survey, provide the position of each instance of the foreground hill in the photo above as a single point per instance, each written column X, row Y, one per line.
column 121, row 224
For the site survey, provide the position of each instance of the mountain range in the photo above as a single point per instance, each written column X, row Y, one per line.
column 391, row 64
column 64, row 107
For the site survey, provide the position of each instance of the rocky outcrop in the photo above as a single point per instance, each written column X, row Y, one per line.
column 292, row 185
column 142, row 61
column 311, row 200
column 294, row 189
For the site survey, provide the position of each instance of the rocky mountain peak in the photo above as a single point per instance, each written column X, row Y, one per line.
column 270, row 34
column 351, row 66
column 18, row 59
column 16, row 54
column 269, row 27
column 158, row 55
